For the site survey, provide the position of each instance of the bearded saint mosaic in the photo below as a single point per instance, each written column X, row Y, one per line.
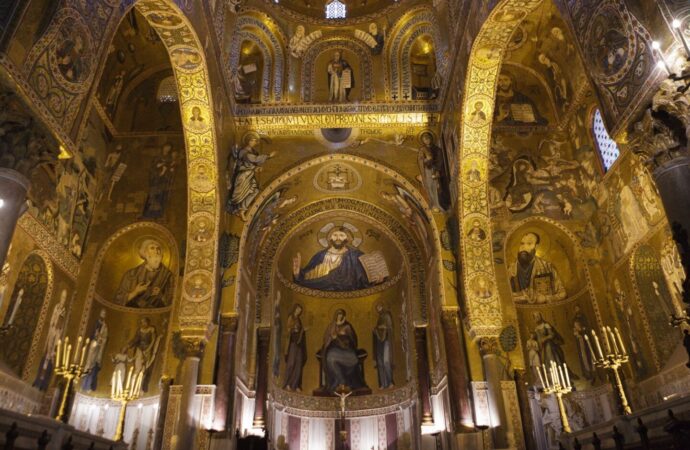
column 341, row 265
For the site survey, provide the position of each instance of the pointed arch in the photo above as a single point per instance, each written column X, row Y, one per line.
column 483, row 315
column 191, row 74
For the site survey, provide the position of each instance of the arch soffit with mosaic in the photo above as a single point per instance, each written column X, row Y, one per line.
column 308, row 75
column 483, row 315
column 383, row 169
column 402, row 31
column 191, row 74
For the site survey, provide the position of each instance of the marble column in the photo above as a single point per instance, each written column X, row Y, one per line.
column 263, row 335
column 423, row 379
column 13, row 189
column 458, row 375
column 165, row 384
column 493, row 372
column 225, row 373
column 522, row 386
column 193, row 349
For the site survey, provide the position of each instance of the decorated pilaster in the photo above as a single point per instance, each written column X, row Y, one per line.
column 192, row 348
column 423, row 380
column 263, row 335
column 493, row 372
column 226, row 369
column 458, row 376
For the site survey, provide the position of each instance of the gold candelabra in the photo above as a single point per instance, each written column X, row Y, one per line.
column 69, row 366
column 124, row 391
column 557, row 381
column 614, row 356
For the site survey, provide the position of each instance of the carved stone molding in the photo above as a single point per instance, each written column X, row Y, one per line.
column 662, row 133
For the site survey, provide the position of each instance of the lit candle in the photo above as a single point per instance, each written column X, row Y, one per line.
column 676, row 26
column 620, row 341
column 662, row 61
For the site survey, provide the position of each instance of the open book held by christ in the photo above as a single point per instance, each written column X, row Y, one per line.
column 375, row 267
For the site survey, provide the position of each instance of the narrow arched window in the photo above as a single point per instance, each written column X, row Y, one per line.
column 167, row 90
column 607, row 147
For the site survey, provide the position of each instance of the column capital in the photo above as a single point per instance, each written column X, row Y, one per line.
column 189, row 346
column 229, row 322
column 450, row 313
column 488, row 345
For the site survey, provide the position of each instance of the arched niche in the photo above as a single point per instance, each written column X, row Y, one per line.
column 144, row 253
column 655, row 303
column 419, row 22
column 252, row 82
column 421, row 72
column 27, row 309
column 549, row 285
column 269, row 44
column 315, row 78
column 288, row 216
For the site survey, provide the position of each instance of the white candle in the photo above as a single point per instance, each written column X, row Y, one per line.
column 541, row 378
column 596, row 341
column 677, row 26
column 589, row 346
column 20, row 295
column 57, row 360
column 67, row 353
column 76, row 351
column 128, row 384
column 620, row 341
column 606, row 340
column 546, row 375
column 613, row 339
column 567, row 375
column 561, row 378
column 65, row 358
column 83, row 353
